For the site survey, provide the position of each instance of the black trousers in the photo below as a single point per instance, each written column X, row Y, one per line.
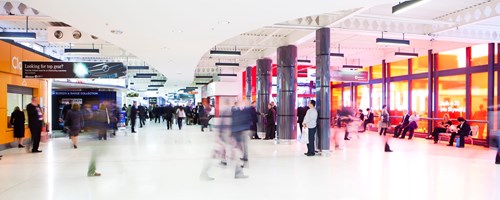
column 157, row 119
column 36, row 133
column 133, row 120
column 462, row 139
column 142, row 121
column 169, row 123
column 270, row 131
column 436, row 133
column 398, row 129
column 179, row 122
column 300, row 126
column 310, row 145
column 408, row 128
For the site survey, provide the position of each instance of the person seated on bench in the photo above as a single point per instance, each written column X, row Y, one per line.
column 411, row 126
column 441, row 128
column 463, row 130
column 399, row 128
column 370, row 119
column 361, row 115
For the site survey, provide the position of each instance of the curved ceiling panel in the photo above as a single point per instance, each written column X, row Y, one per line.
column 172, row 36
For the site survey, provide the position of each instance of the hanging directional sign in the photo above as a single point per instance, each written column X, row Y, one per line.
column 349, row 76
column 92, row 70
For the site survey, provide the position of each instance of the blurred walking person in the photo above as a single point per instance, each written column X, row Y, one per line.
column 17, row 120
column 102, row 121
column 35, row 122
column 180, row 116
column 310, row 123
column 241, row 120
column 142, row 116
column 169, row 112
column 384, row 120
column 133, row 116
column 74, row 121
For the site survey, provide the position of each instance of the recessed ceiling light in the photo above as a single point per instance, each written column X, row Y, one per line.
column 118, row 32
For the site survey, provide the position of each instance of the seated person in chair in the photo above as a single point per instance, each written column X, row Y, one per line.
column 411, row 126
column 441, row 128
column 463, row 130
column 403, row 124
column 370, row 119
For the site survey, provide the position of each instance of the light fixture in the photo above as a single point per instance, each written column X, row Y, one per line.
column 338, row 55
column 81, row 51
column 202, row 83
column 158, row 81
column 225, row 53
column 92, row 51
column 406, row 54
column 387, row 41
column 352, row 66
column 203, row 76
column 138, row 67
column 191, row 88
column 227, row 75
column 152, row 89
column 146, row 74
column 19, row 35
column 155, row 85
column 407, row 5
column 223, row 64
column 304, row 61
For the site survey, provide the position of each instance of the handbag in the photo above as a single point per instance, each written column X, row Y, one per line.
column 304, row 137
column 382, row 124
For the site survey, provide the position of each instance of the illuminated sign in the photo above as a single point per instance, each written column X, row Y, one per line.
column 453, row 106
column 91, row 70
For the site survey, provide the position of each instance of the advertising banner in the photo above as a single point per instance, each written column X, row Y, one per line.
column 349, row 76
column 73, row 70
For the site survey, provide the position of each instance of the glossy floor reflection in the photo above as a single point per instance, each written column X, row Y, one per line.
column 160, row 164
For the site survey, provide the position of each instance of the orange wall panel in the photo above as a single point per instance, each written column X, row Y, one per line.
column 4, row 57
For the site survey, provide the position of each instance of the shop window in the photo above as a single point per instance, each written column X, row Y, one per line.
column 479, row 102
column 420, row 65
column 398, row 99
column 419, row 102
column 17, row 97
column 452, row 59
column 399, row 68
column 347, row 97
column 479, row 55
column 377, row 72
column 376, row 98
column 451, row 96
column 336, row 100
column 363, row 97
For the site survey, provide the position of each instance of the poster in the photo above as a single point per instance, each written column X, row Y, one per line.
column 92, row 70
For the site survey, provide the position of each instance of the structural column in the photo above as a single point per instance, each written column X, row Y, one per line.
column 323, row 98
column 287, row 90
column 249, row 84
column 264, row 86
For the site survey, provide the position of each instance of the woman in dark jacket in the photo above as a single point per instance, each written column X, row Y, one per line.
column 74, row 122
column 101, row 120
column 17, row 120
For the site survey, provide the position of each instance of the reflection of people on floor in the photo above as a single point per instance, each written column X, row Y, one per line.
column 480, row 115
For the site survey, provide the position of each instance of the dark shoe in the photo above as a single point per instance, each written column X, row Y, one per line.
column 402, row 138
column 450, row 145
column 134, row 132
column 435, row 142
column 244, row 159
column 223, row 163
column 461, row 147
column 347, row 139
column 95, row 174
column 312, row 154
column 20, row 146
column 387, row 148
column 74, row 146
column 36, row 151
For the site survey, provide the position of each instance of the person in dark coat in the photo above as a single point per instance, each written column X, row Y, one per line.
column 463, row 131
column 253, row 127
column 17, row 120
column 370, row 119
column 203, row 116
column 74, row 122
column 301, row 113
column 270, row 121
column 35, row 123
column 402, row 125
column 169, row 114
column 133, row 116
column 142, row 116
column 64, row 112
column 101, row 121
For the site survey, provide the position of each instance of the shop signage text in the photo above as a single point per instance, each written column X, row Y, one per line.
column 73, row 70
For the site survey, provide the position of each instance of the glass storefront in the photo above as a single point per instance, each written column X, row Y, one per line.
column 450, row 84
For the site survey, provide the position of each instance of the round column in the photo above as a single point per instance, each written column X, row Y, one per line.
column 287, row 90
column 264, row 86
column 323, row 87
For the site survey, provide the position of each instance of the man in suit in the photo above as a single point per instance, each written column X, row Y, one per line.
column 402, row 124
column 253, row 127
column 133, row 115
column 463, row 130
column 35, row 122
column 369, row 120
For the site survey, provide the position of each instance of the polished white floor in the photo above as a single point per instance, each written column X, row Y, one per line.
column 160, row 164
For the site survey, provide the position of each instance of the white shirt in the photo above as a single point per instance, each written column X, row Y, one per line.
column 180, row 113
column 414, row 118
column 311, row 117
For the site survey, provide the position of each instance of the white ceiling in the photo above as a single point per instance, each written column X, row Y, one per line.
column 174, row 37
